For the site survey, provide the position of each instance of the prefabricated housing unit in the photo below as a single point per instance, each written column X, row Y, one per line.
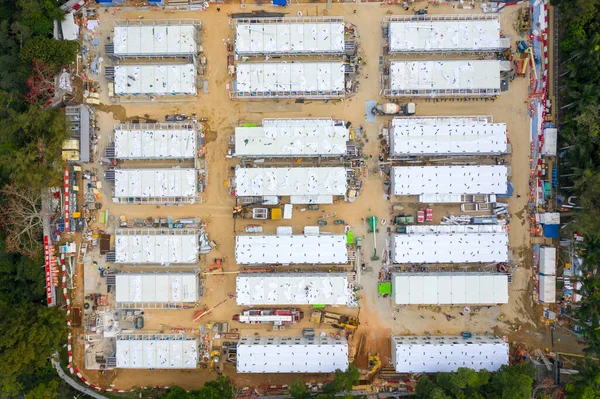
column 445, row 136
column 150, row 351
column 443, row 78
column 302, row 185
column 300, row 79
column 175, row 185
column 294, row 289
column 448, row 353
column 156, row 290
column 293, row 249
column 449, row 288
column 289, row 36
column 466, row 33
column 156, row 246
column 547, row 275
column 154, row 39
column 291, row 355
column 302, row 137
column 154, row 141
column 155, row 80
column 449, row 248
column 474, row 179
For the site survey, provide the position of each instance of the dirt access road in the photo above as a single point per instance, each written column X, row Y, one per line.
column 378, row 318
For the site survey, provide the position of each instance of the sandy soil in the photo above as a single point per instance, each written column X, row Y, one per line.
column 378, row 318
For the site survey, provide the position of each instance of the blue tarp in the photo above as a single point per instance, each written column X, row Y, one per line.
column 281, row 3
column 551, row 230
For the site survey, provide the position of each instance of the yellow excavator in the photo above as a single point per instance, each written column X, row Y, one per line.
column 214, row 357
column 375, row 365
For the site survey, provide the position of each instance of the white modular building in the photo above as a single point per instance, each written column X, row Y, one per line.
column 448, row 353
column 158, row 80
column 155, row 141
column 449, row 248
column 303, row 185
column 135, row 351
column 547, row 288
column 448, row 288
column 303, row 137
column 455, row 228
column 547, row 275
column 294, row 289
column 289, row 36
column 156, row 289
column 445, row 33
column 155, row 40
column 301, row 79
column 443, row 136
column 294, row 249
column 174, row 185
column 548, row 261
column 443, row 78
column 475, row 179
column 291, row 355
column 151, row 246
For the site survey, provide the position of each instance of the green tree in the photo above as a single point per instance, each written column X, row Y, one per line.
column 47, row 390
column 54, row 53
column 176, row 392
column 586, row 384
column 298, row 390
column 221, row 388
column 511, row 382
column 39, row 15
column 343, row 381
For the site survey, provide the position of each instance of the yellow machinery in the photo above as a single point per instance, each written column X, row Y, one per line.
column 214, row 357
column 375, row 365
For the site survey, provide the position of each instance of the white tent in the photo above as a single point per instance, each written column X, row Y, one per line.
column 174, row 79
column 447, row 354
column 295, row 249
column 446, row 288
column 550, row 144
column 441, row 136
column 155, row 183
column 548, row 260
column 445, row 33
column 327, row 181
column 151, row 248
column 290, row 36
column 444, row 77
column 455, row 228
column 155, row 40
column 476, row 179
column 163, row 288
column 156, row 352
column 292, row 138
column 291, row 355
column 286, row 80
column 547, row 288
column 294, row 289
column 173, row 141
column 449, row 248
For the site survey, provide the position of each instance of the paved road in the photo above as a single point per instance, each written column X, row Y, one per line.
column 73, row 383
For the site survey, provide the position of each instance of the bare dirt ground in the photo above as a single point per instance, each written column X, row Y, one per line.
column 378, row 318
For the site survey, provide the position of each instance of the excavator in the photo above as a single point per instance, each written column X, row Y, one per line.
column 375, row 365
column 214, row 357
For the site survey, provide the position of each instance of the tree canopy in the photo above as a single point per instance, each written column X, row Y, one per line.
column 221, row 388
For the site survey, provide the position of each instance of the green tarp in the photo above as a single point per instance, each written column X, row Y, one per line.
column 385, row 288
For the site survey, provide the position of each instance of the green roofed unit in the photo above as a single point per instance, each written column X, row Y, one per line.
column 385, row 288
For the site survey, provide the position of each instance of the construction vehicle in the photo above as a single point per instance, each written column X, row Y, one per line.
column 339, row 221
column 338, row 320
column 395, row 109
column 322, row 222
column 218, row 265
column 214, row 358
column 313, row 207
column 239, row 210
column 308, row 332
column 278, row 317
column 373, row 229
column 374, row 365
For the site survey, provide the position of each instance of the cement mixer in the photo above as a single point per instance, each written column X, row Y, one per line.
column 395, row 109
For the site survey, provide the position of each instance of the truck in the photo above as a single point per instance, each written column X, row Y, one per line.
column 278, row 317
column 395, row 109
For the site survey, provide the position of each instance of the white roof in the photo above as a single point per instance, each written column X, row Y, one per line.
column 550, row 144
column 445, row 35
column 289, row 37
column 291, row 355
column 446, row 288
column 146, row 142
column 547, row 289
column 548, row 260
column 294, row 289
column 445, row 75
column 446, row 136
column 155, row 79
column 155, row 183
column 70, row 30
column 477, row 179
column 171, row 352
column 156, row 288
column 296, row 249
column 450, row 248
column 299, row 77
column 454, row 228
column 549, row 217
column 453, row 198
column 290, row 181
column 154, row 40
column 447, row 354
column 156, row 249
column 292, row 137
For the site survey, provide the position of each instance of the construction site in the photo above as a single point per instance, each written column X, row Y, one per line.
column 260, row 186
